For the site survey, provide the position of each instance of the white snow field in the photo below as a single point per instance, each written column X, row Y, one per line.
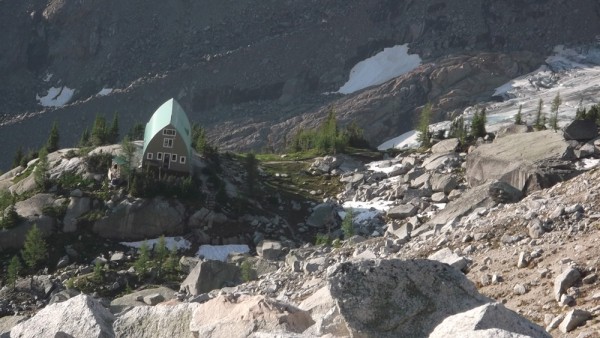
column 177, row 242
column 220, row 252
column 104, row 91
column 384, row 66
column 56, row 97
column 575, row 74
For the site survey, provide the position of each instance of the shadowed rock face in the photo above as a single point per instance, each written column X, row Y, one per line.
column 527, row 161
column 254, row 71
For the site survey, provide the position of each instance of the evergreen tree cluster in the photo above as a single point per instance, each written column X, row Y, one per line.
column 424, row 134
column 34, row 253
column 162, row 259
column 102, row 133
column 478, row 124
column 593, row 113
column 201, row 144
column 328, row 138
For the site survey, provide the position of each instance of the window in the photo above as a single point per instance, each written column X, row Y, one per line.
column 169, row 132
column 182, row 159
column 174, row 158
column 159, row 156
column 168, row 143
column 150, row 156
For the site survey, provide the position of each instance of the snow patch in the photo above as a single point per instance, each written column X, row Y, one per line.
column 48, row 77
column 220, row 252
column 408, row 140
column 56, row 97
column 384, row 66
column 587, row 164
column 177, row 242
column 366, row 210
column 105, row 91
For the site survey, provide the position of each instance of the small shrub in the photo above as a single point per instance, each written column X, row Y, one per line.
column 246, row 269
column 348, row 224
column 322, row 239
column 98, row 163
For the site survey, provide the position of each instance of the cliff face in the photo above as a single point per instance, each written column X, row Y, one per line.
column 241, row 67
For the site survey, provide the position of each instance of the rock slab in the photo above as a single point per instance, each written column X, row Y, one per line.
column 80, row 316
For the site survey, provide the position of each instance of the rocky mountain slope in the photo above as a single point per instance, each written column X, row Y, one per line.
column 253, row 72
column 444, row 245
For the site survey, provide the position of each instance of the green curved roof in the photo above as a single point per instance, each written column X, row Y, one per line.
column 169, row 113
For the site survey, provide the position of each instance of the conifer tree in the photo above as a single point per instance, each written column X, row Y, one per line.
column 13, row 271
column 34, row 249
column 52, row 143
column 136, row 132
column 538, row 116
column 161, row 254
column 99, row 132
column 40, row 173
column 113, row 133
column 251, row 166
column 424, row 134
column 554, row 109
column 18, row 158
column 172, row 262
column 518, row 116
column 141, row 264
column 478, row 124
column 84, row 141
column 128, row 149
column 348, row 224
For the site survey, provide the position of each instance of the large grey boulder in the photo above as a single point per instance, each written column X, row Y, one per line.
column 443, row 183
column 527, row 161
column 80, row 316
column 581, row 130
column 268, row 249
column 445, row 146
column 402, row 211
column 390, row 298
column 141, row 218
column 468, row 201
column 564, row 281
column 490, row 320
column 135, row 299
column 34, row 206
column 323, row 215
column 77, row 207
column 247, row 316
column 502, row 192
column 442, row 161
column 514, row 129
column 209, row 275
column 447, row 256
column 23, row 186
column 7, row 323
column 167, row 320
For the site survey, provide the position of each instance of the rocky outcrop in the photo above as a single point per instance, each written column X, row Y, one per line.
column 77, row 207
column 80, row 316
column 209, row 275
column 581, row 130
column 323, row 215
column 394, row 298
column 137, row 298
column 242, row 316
column 538, row 165
column 489, row 320
column 14, row 238
column 166, row 320
column 140, row 219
